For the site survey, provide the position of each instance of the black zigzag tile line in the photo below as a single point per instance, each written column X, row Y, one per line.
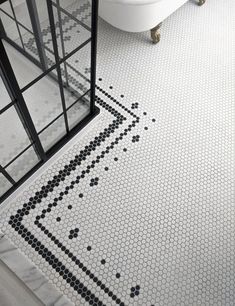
column 16, row 221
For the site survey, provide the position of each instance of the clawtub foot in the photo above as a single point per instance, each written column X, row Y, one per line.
column 201, row 2
column 155, row 33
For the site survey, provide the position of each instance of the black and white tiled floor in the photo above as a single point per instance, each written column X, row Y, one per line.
column 140, row 211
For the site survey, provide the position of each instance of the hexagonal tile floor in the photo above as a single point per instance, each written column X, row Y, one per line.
column 141, row 211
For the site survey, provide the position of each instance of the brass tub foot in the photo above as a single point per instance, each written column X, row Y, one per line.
column 155, row 33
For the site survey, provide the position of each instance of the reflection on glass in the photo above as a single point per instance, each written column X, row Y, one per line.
column 78, row 68
column 10, row 27
column 22, row 14
column 4, row 97
column 5, row 6
column 53, row 133
column 25, row 71
column 70, row 35
column 55, row 108
column 45, row 29
column 30, row 44
column 73, row 9
column 14, row 138
column 78, row 111
column 43, row 101
column 23, row 164
column 4, row 184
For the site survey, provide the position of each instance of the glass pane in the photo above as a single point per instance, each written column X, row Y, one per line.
column 23, row 164
column 29, row 43
column 78, row 74
column 43, row 101
column 10, row 27
column 70, row 32
column 22, row 14
column 5, row 6
column 4, row 97
column 53, row 133
column 13, row 137
column 40, row 16
column 45, row 31
column 25, row 71
column 78, row 111
column 4, row 184
column 80, row 10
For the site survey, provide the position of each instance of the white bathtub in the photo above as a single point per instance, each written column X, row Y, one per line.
column 137, row 15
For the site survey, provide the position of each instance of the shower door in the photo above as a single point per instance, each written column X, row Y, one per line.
column 47, row 81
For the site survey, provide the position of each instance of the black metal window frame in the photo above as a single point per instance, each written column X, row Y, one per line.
column 16, row 93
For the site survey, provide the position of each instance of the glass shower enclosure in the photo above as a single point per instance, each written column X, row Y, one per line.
column 47, row 81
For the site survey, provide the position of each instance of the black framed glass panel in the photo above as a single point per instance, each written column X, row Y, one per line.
column 47, row 69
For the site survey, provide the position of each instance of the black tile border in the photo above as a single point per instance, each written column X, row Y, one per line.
column 16, row 220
